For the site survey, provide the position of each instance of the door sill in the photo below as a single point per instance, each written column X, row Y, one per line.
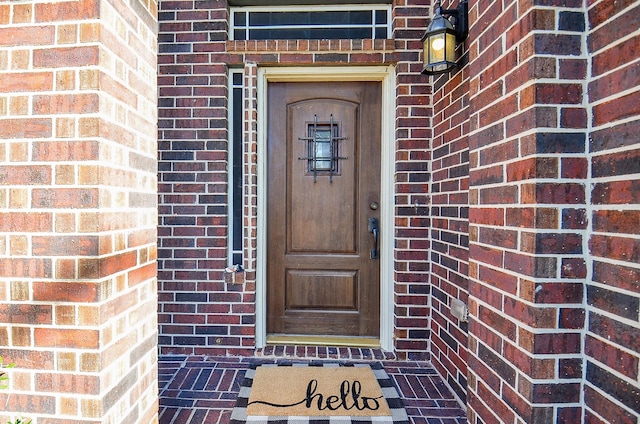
column 281, row 339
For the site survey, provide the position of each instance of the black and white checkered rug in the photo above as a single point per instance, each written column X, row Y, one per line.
column 398, row 414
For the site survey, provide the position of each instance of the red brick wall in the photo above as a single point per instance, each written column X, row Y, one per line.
column 493, row 200
column 612, row 387
column 528, row 197
column 552, row 109
column 412, row 312
column 450, row 223
column 199, row 312
column 77, row 232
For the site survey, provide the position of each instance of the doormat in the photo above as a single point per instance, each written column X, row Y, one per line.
column 318, row 393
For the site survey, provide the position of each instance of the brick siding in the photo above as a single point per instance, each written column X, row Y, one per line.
column 77, row 232
column 527, row 197
column 450, row 225
column 612, row 353
column 516, row 190
column 200, row 313
column 493, row 199
column 412, row 125
column 553, row 106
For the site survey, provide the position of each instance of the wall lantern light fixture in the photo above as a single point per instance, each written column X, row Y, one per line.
column 442, row 35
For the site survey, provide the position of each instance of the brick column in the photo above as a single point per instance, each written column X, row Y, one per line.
column 612, row 387
column 78, row 192
column 411, row 261
column 527, row 212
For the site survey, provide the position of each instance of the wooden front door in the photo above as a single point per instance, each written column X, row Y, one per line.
column 323, row 194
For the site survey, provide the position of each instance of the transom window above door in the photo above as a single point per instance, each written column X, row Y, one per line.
column 311, row 22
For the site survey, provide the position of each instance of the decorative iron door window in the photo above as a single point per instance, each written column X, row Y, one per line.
column 323, row 148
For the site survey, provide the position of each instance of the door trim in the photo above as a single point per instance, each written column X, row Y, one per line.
column 386, row 76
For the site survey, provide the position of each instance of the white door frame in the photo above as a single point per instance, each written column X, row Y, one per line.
column 385, row 75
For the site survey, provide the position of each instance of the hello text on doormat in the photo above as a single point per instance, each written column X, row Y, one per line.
column 302, row 393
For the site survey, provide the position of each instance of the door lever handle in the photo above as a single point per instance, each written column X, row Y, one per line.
column 374, row 227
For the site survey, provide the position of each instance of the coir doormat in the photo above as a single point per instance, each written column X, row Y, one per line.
column 319, row 393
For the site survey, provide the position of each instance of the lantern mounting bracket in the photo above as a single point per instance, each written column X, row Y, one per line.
column 461, row 16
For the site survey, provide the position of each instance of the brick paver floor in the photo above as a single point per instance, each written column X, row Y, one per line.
column 203, row 390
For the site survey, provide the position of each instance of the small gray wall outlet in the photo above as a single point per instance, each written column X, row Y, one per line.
column 459, row 310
